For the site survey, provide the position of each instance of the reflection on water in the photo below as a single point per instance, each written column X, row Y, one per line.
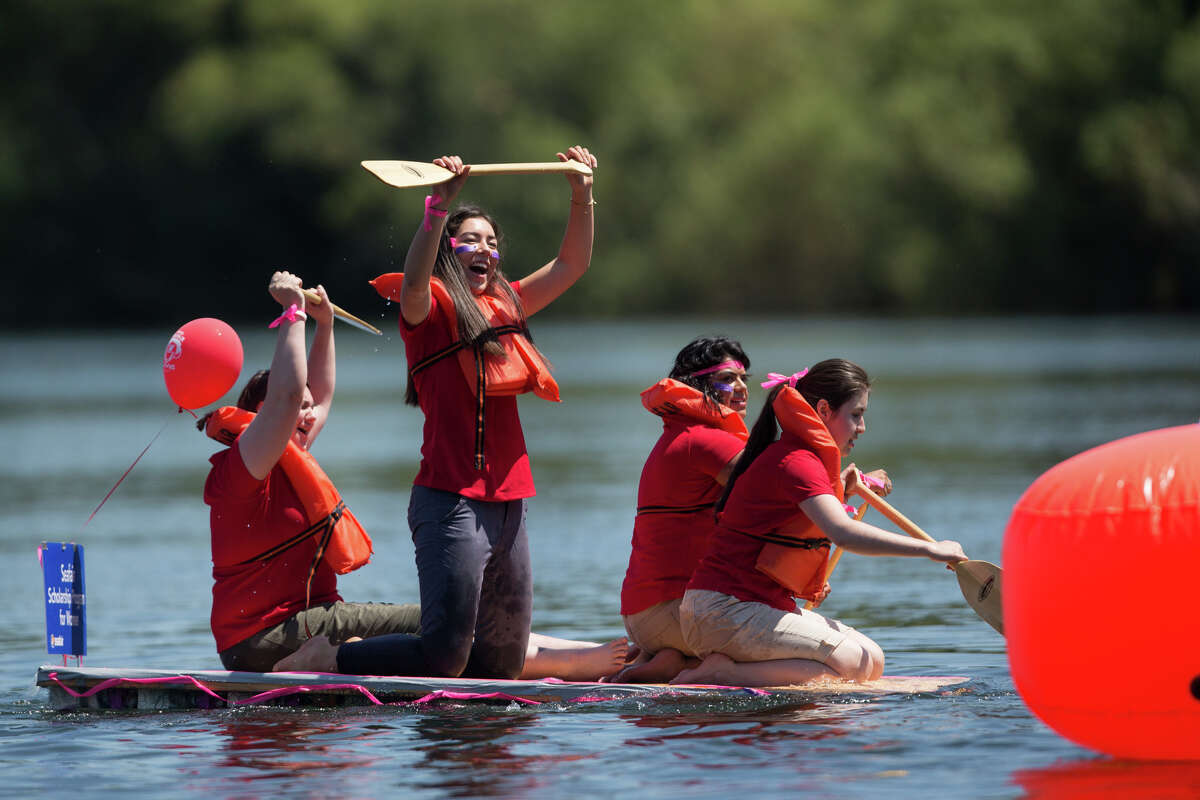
column 1110, row 779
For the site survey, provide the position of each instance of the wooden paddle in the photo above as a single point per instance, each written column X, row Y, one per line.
column 837, row 555
column 980, row 581
column 407, row 174
column 314, row 298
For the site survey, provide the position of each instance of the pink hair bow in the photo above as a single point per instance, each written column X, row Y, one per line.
column 774, row 379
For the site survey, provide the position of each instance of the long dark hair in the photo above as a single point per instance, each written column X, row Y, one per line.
column 704, row 352
column 253, row 393
column 446, row 267
column 834, row 380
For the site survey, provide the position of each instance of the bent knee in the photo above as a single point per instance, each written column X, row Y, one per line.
column 857, row 661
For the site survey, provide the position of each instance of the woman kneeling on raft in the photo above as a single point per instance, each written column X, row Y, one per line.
column 469, row 353
column 781, row 509
column 702, row 404
column 271, row 590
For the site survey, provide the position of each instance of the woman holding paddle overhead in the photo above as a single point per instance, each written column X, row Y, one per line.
column 469, row 354
column 277, row 518
column 780, row 511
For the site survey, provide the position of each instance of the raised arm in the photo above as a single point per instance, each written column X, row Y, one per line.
column 264, row 440
column 859, row 537
column 418, row 264
column 545, row 285
column 322, row 372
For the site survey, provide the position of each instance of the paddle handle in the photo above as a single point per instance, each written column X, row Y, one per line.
column 535, row 168
column 837, row 555
column 312, row 297
column 884, row 507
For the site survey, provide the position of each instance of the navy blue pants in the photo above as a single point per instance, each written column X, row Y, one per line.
column 476, row 593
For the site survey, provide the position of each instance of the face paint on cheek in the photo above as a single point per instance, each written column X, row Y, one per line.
column 464, row 249
column 722, row 387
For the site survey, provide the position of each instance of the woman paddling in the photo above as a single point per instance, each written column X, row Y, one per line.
column 469, row 353
column 271, row 588
column 780, row 511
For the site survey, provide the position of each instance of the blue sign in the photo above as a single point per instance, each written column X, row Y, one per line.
column 66, row 614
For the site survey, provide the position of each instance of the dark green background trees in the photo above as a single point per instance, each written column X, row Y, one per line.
column 158, row 160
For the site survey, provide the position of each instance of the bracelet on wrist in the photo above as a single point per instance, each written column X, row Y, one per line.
column 292, row 314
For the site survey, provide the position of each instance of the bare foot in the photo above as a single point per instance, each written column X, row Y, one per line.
column 318, row 654
column 588, row 663
column 660, row 668
column 712, row 671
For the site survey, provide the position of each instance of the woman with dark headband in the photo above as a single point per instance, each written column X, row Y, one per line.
column 701, row 403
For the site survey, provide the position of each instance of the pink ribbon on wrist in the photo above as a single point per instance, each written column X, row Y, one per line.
column 774, row 379
column 291, row 314
column 430, row 211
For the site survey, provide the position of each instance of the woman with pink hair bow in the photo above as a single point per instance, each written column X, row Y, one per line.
column 781, row 511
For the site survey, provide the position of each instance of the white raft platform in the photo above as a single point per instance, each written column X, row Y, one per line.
column 99, row 688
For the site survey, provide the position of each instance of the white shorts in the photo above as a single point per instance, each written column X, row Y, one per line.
column 712, row 622
column 657, row 628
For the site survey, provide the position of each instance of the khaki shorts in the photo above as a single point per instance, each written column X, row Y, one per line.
column 657, row 628
column 338, row 621
column 713, row 622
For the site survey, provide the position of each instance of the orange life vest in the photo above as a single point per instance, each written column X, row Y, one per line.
column 797, row 557
column 670, row 396
column 521, row 369
column 344, row 544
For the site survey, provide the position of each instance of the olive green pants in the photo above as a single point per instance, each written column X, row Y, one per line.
column 338, row 621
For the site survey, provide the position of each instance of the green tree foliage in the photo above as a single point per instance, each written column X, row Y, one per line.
column 158, row 160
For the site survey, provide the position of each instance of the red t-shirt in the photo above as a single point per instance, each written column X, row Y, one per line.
column 248, row 518
column 448, row 449
column 680, row 473
column 765, row 498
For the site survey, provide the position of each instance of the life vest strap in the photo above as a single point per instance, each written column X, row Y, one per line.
column 323, row 526
column 477, row 345
column 696, row 509
column 815, row 543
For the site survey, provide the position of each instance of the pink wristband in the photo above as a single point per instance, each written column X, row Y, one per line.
column 430, row 211
column 291, row 314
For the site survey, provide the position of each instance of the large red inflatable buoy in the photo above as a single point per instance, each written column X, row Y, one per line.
column 1101, row 612
column 202, row 361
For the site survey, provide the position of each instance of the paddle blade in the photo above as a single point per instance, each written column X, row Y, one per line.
column 981, row 586
column 405, row 174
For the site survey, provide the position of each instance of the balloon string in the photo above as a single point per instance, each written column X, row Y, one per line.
column 131, row 466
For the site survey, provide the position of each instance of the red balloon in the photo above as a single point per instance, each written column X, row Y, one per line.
column 1100, row 612
column 202, row 361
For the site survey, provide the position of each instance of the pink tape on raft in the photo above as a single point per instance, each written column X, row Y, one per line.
column 262, row 697
column 283, row 691
column 731, row 364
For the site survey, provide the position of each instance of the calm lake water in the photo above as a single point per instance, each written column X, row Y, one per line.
column 965, row 415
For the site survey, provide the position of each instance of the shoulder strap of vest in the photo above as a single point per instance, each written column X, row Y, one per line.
column 798, row 418
column 389, row 285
